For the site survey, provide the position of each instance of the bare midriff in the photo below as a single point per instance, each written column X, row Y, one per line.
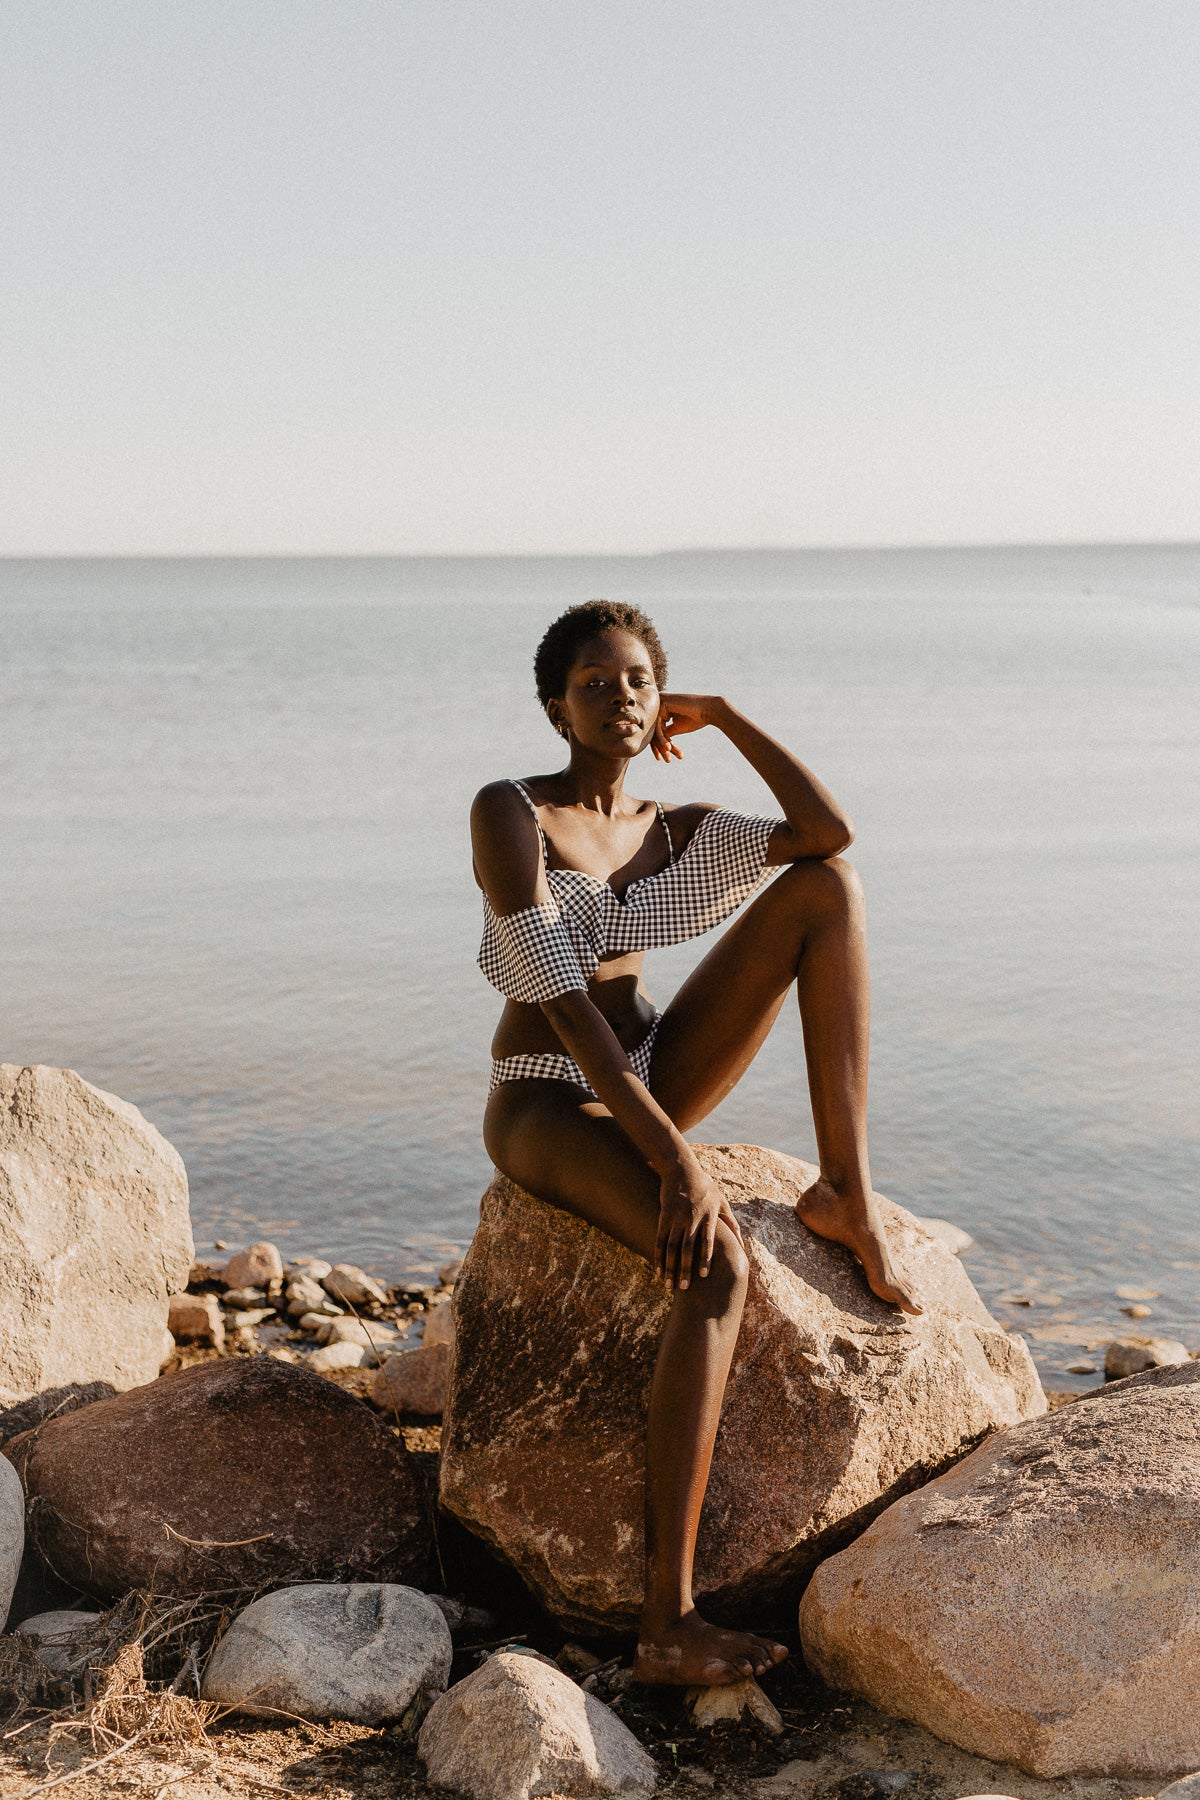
column 616, row 992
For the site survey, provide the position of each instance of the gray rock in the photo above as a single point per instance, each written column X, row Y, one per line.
column 94, row 1235
column 517, row 1728
column 58, row 1636
column 306, row 1295
column 1131, row 1355
column 345, row 1282
column 256, row 1267
column 1187, row 1788
column 368, row 1333
column 449, row 1272
column 12, row 1533
column 339, row 1356
column 332, row 1651
column 312, row 1266
column 244, row 1298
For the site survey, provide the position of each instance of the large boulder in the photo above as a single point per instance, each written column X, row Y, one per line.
column 1039, row 1604
column 517, row 1728
column 836, row 1403
column 236, row 1473
column 360, row 1651
column 12, row 1535
column 94, row 1235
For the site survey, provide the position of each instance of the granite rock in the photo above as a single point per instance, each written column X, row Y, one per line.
column 1040, row 1603
column 236, row 1472
column 256, row 1267
column 1131, row 1355
column 12, row 1534
column 196, row 1319
column 332, row 1651
column 94, row 1235
column 345, row 1282
column 339, row 1356
column 517, row 1728
column 60, row 1638
column 836, row 1402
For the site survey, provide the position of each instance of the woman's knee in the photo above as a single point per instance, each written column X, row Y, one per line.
column 729, row 1270
column 829, row 886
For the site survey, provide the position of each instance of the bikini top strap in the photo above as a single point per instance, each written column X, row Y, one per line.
column 662, row 819
column 524, row 793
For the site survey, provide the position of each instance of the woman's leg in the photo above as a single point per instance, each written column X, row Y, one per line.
column 572, row 1154
column 807, row 927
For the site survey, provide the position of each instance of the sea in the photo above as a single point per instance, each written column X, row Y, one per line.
column 235, row 880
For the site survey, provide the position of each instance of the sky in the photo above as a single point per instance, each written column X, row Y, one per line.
column 519, row 276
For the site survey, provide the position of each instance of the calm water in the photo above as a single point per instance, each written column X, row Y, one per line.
column 235, row 883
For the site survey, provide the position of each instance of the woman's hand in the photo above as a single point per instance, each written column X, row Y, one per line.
column 679, row 714
column 689, row 1207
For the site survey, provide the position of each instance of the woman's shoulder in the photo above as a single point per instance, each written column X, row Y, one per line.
column 684, row 820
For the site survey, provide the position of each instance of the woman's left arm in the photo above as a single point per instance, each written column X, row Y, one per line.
column 816, row 824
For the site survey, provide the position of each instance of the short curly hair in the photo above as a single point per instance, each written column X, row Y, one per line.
column 559, row 647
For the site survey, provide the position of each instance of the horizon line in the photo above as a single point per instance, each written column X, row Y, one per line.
column 15, row 556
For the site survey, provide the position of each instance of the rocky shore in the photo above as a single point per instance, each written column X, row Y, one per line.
column 273, row 1526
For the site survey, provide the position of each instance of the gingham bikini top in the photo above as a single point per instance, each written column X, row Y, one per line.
column 556, row 947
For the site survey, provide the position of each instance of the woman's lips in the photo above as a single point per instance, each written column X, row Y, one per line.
column 625, row 724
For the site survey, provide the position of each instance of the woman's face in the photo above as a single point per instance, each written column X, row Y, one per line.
column 611, row 699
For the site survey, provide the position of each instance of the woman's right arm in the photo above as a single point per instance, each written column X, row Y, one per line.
column 508, row 866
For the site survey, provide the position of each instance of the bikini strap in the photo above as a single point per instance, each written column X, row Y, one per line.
column 524, row 793
column 662, row 819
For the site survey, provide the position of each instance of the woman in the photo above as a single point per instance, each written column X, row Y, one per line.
column 592, row 1089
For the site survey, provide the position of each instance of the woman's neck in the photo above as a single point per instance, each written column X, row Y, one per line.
column 596, row 783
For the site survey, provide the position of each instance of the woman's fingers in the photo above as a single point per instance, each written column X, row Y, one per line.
column 708, row 1238
column 725, row 1212
column 660, row 1245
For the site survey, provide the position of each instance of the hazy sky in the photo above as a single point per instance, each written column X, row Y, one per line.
column 472, row 275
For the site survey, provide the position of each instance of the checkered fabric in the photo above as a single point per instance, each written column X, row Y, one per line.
column 556, row 947
column 555, row 1067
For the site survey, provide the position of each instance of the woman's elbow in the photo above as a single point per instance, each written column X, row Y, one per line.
column 831, row 839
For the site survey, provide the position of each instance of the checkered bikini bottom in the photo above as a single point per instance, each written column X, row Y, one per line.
column 555, row 1067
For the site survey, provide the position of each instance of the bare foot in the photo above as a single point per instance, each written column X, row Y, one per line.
column 693, row 1653
column 857, row 1224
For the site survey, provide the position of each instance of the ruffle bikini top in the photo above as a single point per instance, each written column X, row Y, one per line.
column 556, row 947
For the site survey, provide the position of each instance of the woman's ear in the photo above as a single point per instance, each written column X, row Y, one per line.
column 554, row 714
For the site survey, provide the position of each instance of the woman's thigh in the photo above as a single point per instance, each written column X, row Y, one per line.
column 718, row 1021
column 571, row 1152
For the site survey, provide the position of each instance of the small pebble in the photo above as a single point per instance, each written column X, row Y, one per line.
column 356, row 1331
column 338, row 1356
column 346, row 1282
column 196, row 1318
column 254, row 1267
column 312, row 1266
column 244, row 1297
column 1136, row 1311
column 1130, row 1356
column 220, row 1244
column 1081, row 1368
